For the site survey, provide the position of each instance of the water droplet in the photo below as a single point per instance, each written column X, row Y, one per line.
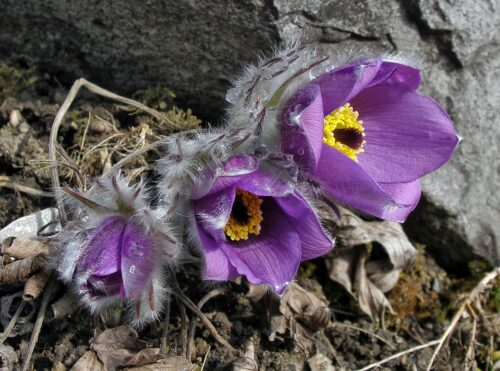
column 132, row 269
column 300, row 151
column 262, row 95
column 232, row 95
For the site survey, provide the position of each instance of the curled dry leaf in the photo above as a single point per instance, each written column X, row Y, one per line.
column 34, row 286
column 120, row 346
column 367, row 280
column 247, row 361
column 20, row 270
column 299, row 310
column 65, row 306
column 8, row 358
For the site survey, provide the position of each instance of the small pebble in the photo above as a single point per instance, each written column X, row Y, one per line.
column 15, row 118
column 23, row 127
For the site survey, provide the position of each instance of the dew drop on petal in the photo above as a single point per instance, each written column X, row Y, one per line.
column 263, row 95
column 232, row 95
column 300, row 151
column 132, row 269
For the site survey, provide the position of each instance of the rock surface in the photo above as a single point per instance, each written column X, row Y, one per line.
column 196, row 47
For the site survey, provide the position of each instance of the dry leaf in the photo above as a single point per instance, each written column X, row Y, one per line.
column 367, row 280
column 247, row 361
column 120, row 346
column 172, row 363
column 21, row 248
column 88, row 362
column 299, row 310
column 145, row 356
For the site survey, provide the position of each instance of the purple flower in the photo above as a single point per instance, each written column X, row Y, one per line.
column 365, row 134
column 252, row 223
column 118, row 259
column 117, row 251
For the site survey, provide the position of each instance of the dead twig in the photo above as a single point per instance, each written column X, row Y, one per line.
column 166, row 322
column 480, row 287
column 204, row 320
column 12, row 322
column 400, row 354
column 47, row 295
column 133, row 155
column 201, row 303
column 62, row 112
column 184, row 330
column 7, row 182
column 332, row 326
column 469, row 354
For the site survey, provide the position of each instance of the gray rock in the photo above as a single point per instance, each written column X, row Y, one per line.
column 197, row 47
column 44, row 222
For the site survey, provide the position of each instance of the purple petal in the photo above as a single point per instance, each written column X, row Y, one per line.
column 213, row 212
column 314, row 241
column 102, row 253
column 272, row 257
column 259, row 182
column 217, row 265
column 302, row 126
column 138, row 260
column 349, row 183
column 340, row 85
column 405, row 194
column 391, row 73
column 407, row 135
column 215, row 180
column 98, row 286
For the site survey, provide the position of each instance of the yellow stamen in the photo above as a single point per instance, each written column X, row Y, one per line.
column 343, row 131
column 246, row 216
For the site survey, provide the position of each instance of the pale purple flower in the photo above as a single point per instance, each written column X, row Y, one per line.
column 251, row 222
column 366, row 136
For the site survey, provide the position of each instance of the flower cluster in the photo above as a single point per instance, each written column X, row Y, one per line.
column 301, row 127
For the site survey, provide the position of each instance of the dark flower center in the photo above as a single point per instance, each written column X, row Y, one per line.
column 352, row 138
column 245, row 217
column 344, row 131
column 239, row 211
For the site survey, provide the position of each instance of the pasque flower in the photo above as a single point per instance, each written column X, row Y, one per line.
column 251, row 222
column 115, row 253
column 365, row 134
column 359, row 130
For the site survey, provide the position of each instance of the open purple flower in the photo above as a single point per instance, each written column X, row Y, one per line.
column 365, row 134
column 252, row 223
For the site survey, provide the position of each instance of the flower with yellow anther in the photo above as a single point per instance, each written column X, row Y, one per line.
column 343, row 131
column 246, row 216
